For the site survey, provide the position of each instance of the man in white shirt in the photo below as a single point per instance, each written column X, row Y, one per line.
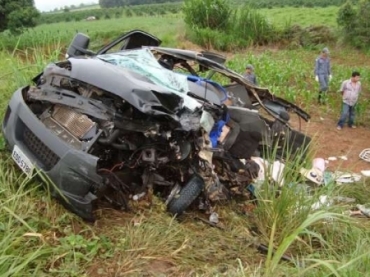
column 350, row 90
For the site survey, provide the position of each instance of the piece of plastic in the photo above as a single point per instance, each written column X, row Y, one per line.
column 365, row 155
column 366, row 173
column 344, row 178
column 314, row 175
column 213, row 218
column 319, row 163
column 274, row 170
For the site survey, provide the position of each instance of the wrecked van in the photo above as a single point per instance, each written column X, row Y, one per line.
column 135, row 118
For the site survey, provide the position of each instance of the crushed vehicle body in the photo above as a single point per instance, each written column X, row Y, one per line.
column 112, row 125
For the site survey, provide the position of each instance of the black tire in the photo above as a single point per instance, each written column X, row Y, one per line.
column 186, row 196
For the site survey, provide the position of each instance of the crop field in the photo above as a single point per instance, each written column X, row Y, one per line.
column 302, row 16
column 100, row 31
column 38, row 237
column 168, row 26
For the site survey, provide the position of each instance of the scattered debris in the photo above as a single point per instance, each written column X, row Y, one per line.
column 343, row 158
column 361, row 211
column 274, row 170
column 332, row 158
column 342, row 178
column 365, row 155
column 323, row 201
column 213, row 218
column 365, row 211
column 314, row 175
column 365, row 173
column 210, row 223
column 343, row 199
column 136, row 197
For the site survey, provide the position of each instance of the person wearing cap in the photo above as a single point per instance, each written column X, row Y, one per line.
column 323, row 73
column 249, row 74
column 350, row 90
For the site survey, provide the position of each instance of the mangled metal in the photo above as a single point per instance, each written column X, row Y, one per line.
column 118, row 126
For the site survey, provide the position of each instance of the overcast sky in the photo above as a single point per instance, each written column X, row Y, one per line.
column 47, row 5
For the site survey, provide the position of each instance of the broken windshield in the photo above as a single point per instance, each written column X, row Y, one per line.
column 143, row 62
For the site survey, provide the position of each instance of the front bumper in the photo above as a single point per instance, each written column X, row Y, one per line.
column 73, row 172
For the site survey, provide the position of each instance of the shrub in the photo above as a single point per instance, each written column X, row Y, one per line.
column 354, row 21
column 253, row 27
column 213, row 14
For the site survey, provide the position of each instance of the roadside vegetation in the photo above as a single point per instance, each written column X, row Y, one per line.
column 38, row 237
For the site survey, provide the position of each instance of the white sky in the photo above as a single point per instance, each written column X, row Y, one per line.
column 48, row 5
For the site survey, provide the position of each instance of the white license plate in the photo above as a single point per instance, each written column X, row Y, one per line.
column 22, row 161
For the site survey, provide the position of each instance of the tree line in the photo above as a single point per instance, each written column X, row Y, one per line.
column 108, row 13
column 291, row 3
column 121, row 3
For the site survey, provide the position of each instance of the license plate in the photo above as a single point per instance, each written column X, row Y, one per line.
column 22, row 161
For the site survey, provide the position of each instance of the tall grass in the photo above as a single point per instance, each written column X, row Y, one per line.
column 241, row 28
column 100, row 31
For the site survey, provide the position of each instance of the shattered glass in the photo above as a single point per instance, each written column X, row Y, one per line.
column 143, row 62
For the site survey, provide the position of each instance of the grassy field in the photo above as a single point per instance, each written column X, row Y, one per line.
column 302, row 16
column 168, row 27
column 38, row 237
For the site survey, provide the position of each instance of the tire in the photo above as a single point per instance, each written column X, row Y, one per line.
column 186, row 196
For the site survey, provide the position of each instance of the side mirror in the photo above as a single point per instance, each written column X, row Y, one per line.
column 79, row 46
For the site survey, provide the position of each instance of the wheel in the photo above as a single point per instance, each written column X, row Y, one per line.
column 186, row 196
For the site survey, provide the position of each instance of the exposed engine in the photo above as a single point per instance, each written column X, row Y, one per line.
column 137, row 152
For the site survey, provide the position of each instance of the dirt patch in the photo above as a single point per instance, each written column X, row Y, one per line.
column 159, row 268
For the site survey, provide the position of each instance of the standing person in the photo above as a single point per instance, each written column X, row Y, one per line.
column 323, row 74
column 249, row 74
column 350, row 90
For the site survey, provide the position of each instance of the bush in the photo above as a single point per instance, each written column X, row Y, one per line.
column 252, row 27
column 213, row 14
column 247, row 27
column 354, row 21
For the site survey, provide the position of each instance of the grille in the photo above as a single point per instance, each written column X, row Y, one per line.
column 47, row 157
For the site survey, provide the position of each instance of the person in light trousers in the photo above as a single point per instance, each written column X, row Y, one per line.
column 350, row 90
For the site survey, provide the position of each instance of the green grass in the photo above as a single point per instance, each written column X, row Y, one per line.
column 302, row 16
column 38, row 237
column 167, row 27
column 289, row 73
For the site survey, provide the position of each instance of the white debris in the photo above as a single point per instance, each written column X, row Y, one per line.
column 332, row 158
column 365, row 173
column 136, row 197
column 347, row 177
column 314, row 175
column 274, row 170
column 213, row 218
column 343, row 158
column 323, row 201
column 365, row 155
column 319, row 163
